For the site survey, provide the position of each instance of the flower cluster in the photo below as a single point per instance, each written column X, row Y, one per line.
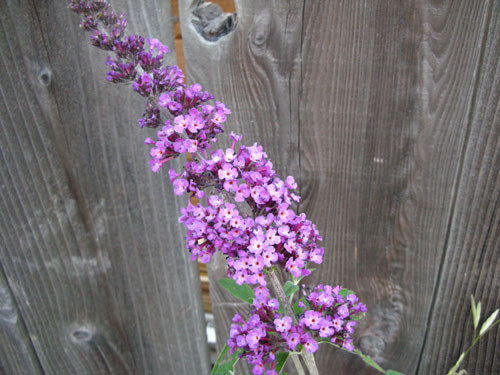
column 136, row 60
column 323, row 315
column 195, row 125
column 269, row 233
column 243, row 208
column 330, row 314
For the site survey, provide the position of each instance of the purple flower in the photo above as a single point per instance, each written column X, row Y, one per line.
column 180, row 186
column 326, row 329
column 283, row 325
column 347, row 344
column 253, row 338
column 311, row 345
column 293, row 340
column 247, row 214
column 312, row 319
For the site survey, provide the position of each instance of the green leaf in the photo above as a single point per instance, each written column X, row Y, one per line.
column 222, row 354
column 487, row 324
column 325, row 341
column 454, row 369
column 300, row 310
column 392, row 372
column 224, row 366
column 478, row 312
column 281, row 310
column 475, row 315
column 368, row 360
column 290, row 288
column 243, row 292
column 344, row 292
column 281, row 358
column 358, row 316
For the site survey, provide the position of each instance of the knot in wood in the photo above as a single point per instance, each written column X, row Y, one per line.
column 372, row 345
column 260, row 31
column 211, row 22
column 8, row 312
column 259, row 37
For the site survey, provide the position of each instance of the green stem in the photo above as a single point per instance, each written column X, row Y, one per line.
column 455, row 367
column 308, row 357
column 298, row 365
column 478, row 337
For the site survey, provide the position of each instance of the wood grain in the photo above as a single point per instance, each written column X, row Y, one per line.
column 255, row 70
column 17, row 355
column 90, row 245
column 396, row 83
column 472, row 264
column 369, row 104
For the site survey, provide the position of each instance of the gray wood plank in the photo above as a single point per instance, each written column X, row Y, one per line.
column 255, row 70
column 472, row 262
column 384, row 115
column 377, row 98
column 89, row 235
column 17, row 355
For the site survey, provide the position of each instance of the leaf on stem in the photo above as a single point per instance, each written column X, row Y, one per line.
column 367, row 359
column 300, row 310
column 487, row 324
column 281, row 358
column 224, row 366
column 345, row 292
column 454, row 369
column 476, row 312
column 243, row 292
column 290, row 288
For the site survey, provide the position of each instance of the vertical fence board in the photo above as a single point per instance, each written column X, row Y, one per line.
column 17, row 355
column 472, row 263
column 90, row 244
column 255, row 70
column 383, row 93
column 396, row 82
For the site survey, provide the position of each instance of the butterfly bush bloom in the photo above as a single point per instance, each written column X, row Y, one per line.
column 264, row 233
column 327, row 313
column 243, row 209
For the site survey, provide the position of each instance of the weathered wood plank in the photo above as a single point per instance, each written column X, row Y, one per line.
column 384, row 116
column 89, row 235
column 17, row 355
column 255, row 70
column 472, row 262
column 367, row 102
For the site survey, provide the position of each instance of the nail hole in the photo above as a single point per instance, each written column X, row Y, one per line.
column 45, row 77
column 81, row 335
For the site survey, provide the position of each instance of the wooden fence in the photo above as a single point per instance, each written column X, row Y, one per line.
column 386, row 112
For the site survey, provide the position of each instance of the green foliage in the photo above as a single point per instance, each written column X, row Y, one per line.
column 300, row 310
column 485, row 327
column 281, row 358
column 290, row 288
column 367, row 359
column 223, row 365
column 345, row 292
column 243, row 292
